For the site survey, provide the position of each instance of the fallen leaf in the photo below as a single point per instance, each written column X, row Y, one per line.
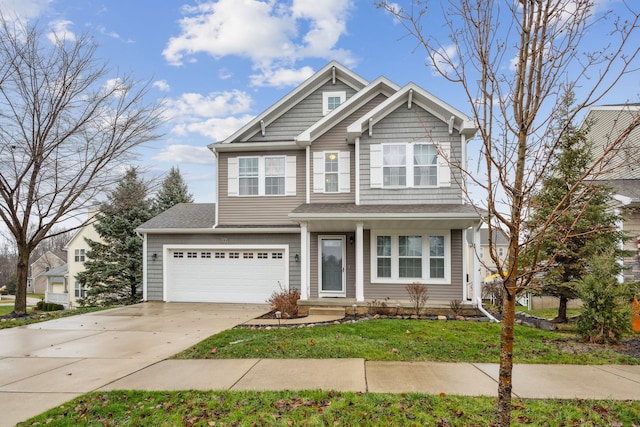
column 214, row 350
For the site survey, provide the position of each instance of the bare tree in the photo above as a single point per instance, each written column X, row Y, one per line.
column 514, row 61
column 66, row 125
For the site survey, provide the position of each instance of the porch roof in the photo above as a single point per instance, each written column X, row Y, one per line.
column 345, row 216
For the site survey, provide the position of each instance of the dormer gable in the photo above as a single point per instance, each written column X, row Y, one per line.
column 329, row 74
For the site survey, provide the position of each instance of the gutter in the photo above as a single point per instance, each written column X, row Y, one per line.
column 485, row 312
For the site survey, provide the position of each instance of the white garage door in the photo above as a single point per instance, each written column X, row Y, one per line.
column 204, row 275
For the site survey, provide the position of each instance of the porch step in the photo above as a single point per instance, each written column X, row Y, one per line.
column 327, row 311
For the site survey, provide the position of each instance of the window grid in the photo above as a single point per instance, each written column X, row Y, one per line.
column 247, row 255
column 205, row 255
column 331, row 170
column 79, row 255
column 219, row 255
column 234, row 255
column 263, row 255
column 248, row 176
column 178, row 254
column 383, row 245
column 436, row 257
column 274, row 171
column 410, row 256
column 192, row 254
column 276, row 255
column 394, row 167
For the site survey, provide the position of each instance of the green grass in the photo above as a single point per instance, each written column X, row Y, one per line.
column 403, row 340
column 13, row 323
column 548, row 313
column 323, row 408
column 5, row 309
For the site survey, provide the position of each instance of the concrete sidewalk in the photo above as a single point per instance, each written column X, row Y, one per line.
column 471, row 379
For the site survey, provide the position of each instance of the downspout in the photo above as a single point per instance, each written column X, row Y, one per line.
column 485, row 312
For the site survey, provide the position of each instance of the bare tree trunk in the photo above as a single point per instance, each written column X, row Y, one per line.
column 22, row 275
column 562, row 310
column 505, row 383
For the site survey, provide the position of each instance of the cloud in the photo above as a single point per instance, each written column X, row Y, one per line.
column 274, row 35
column 178, row 153
column 23, row 9
column 103, row 30
column 59, row 31
column 445, row 59
column 215, row 128
column 281, row 77
column 162, row 85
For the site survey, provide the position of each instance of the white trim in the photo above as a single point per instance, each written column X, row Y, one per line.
column 443, row 171
column 289, row 176
column 343, row 292
column 168, row 247
column 359, row 262
column 357, row 171
column 145, row 269
column 308, row 174
column 332, row 94
column 304, row 262
column 425, row 279
column 343, row 159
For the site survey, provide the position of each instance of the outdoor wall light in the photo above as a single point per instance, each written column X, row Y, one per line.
column 351, row 239
column 154, row 256
column 296, row 258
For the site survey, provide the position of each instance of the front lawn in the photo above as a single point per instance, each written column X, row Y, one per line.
column 404, row 340
column 41, row 316
column 323, row 408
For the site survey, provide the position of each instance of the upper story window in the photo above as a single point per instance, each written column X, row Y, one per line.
column 331, row 172
column 409, row 165
column 79, row 255
column 262, row 176
column 332, row 100
column 405, row 258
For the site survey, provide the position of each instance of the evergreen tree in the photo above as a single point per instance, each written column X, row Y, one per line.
column 582, row 227
column 113, row 273
column 173, row 191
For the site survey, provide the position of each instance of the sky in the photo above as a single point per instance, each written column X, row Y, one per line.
column 217, row 64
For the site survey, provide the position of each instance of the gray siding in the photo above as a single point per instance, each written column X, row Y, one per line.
column 335, row 139
column 155, row 243
column 304, row 114
column 259, row 210
column 395, row 291
column 404, row 125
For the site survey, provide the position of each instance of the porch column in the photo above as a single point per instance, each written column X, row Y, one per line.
column 477, row 287
column 359, row 263
column 304, row 261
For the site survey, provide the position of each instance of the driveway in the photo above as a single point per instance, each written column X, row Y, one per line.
column 45, row 364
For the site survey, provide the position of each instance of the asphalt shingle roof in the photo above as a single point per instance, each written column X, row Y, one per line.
column 183, row 216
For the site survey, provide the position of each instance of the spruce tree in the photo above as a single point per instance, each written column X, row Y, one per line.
column 113, row 269
column 583, row 226
column 173, row 191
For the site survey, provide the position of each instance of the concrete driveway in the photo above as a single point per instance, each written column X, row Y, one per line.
column 45, row 364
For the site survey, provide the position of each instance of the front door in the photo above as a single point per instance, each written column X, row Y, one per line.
column 331, row 266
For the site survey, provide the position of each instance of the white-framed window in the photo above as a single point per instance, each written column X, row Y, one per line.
column 79, row 255
column 219, row 255
column 205, row 254
column 79, row 290
column 409, row 165
column 247, row 255
column 276, row 255
column 332, row 100
column 263, row 255
column 500, row 252
column 331, row 172
column 178, row 254
column 407, row 257
column 234, row 255
column 261, row 176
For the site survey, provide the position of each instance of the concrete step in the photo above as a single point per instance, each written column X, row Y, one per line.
column 326, row 311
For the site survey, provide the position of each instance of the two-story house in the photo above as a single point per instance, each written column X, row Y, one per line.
column 345, row 189
column 607, row 124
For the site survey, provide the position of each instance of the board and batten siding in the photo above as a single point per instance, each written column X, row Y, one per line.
column 301, row 116
column 409, row 125
column 155, row 244
column 336, row 140
column 258, row 210
column 394, row 291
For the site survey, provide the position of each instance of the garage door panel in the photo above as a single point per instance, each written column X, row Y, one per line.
column 225, row 276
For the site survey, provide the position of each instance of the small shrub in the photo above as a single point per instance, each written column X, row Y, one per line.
column 493, row 292
column 49, row 306
column 378, row 307
column 456, row 306
column 417, row 296
column 285, row 301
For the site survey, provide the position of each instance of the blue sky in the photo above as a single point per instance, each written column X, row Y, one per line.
column 219, row 63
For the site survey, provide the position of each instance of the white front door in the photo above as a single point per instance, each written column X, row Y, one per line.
column 331, row 265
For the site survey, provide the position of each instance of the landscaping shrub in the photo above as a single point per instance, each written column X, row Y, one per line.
column 49, row 306
column 286, row 302
column 378, row 307
column 417, row 296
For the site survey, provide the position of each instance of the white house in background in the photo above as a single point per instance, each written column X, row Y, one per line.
column 37, row 282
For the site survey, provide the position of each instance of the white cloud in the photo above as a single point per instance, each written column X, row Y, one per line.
column 446, row 59
column 59, row 31
column 281, row 77
column 215, row 128
column 23, row 9
column 274, row 35
column 178, row 153
column 224, row 74
column 162, row 85
column 103, row 30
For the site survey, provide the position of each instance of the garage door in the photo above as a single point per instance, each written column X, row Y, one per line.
column 203, row 275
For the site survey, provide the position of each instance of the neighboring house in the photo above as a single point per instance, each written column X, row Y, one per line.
column 57, row 289
column 623, row 171
column 76, row 249
column 342, row 189
column 486, row 265
column 37, row 282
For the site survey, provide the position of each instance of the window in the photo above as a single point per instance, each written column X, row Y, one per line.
column 263, row 255
column 408, row 257
column 79, row 255
column 332, row 100
column 274, row 172
column 500, row 252
column 79, row 290
column 276, row 255
column 247, row 255
column 234, row 255
column 409, row 165
column 205, row 254
column 219, row 255
column 192, row 254
column 178, row 254
column 248, row 177
column 262, row 176
column 331, row 172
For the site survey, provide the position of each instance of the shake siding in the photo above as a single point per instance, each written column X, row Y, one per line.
column 301, row 116
column 380, row 291
column 335, row 140
column 155, row 243
column 404, row 125
column 258, row 210
column 349, row 264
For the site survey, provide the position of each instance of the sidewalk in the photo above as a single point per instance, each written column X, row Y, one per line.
column 619, row 382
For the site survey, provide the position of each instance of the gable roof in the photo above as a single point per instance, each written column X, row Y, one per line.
column 329, row 72
column 183, row 216
column 410, row 94
column 378, row 86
